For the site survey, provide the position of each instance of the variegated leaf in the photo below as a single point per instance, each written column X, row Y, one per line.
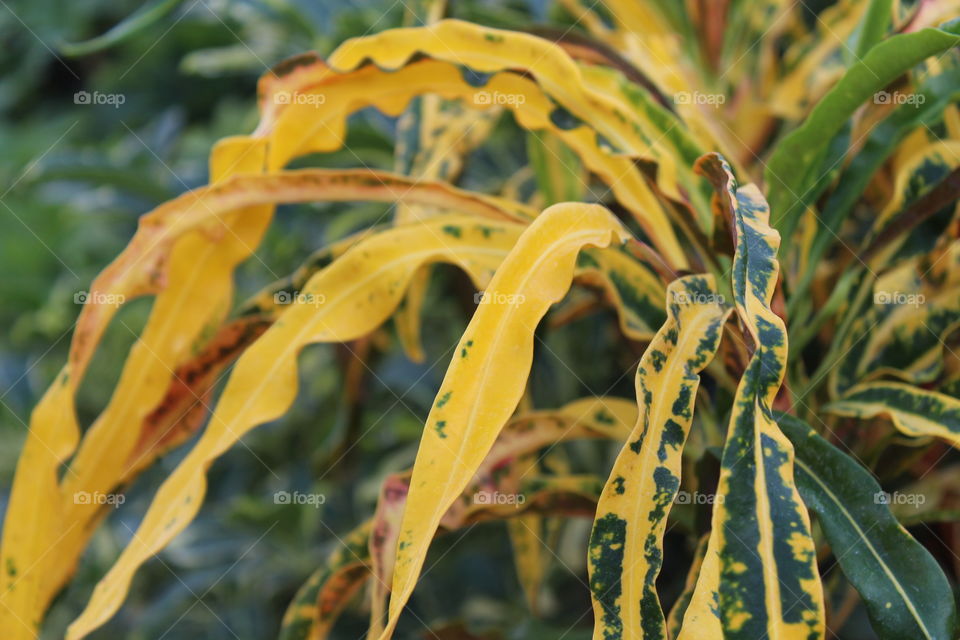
column 626, row 546
column 759, row 577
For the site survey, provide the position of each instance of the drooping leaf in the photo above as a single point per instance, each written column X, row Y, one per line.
column 157, row 260
column 484, row 51
column 482, row 387
column 347, row 299
column 45, row 530
column 502, row 471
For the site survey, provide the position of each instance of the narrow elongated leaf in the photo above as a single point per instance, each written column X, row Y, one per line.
column 157, row 260
column 185, row 405
column 321, row 599
column 914, row 411
column 485, row 50
column 793, row 167
column 759, row 577
column 346, row 300
column 304, row 126
column 902, row 586
column 626, row 546
column 45, row 528
column 485, row 381
column 605, row 417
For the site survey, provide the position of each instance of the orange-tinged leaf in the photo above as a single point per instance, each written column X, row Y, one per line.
column 344, row 301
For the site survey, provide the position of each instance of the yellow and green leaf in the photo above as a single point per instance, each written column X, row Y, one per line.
column 626, row 547
column 914, row 411
column 759, row 577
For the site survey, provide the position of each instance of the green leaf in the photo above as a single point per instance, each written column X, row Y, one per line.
column 874, row 27
column 128, row 28
column 937, row 92
column 903, row 587
column 794, row 165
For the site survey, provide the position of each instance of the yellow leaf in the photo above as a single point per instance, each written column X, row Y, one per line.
column 346, row 300
column 486, row 379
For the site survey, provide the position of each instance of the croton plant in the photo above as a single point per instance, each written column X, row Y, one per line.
column 762, row 193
